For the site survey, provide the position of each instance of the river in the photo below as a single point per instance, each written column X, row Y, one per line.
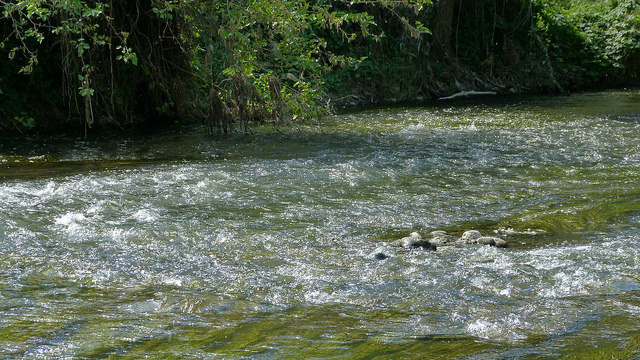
column 181, row 245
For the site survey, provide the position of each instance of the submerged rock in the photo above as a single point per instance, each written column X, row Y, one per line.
column 426, row 245
column 440, row 237
column 380, row 256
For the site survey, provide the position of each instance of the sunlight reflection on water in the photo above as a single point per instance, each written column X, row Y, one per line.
column 279, row 232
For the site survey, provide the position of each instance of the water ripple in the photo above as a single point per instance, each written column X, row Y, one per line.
column 263, row 236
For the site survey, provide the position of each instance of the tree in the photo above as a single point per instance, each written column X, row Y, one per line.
column 234, row 60
column 444, row 25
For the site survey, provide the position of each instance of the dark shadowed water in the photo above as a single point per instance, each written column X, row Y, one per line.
column 180, row 245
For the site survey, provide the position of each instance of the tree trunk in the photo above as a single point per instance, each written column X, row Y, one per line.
column 444, row 25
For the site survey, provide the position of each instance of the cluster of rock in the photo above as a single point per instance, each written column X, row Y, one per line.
column 474, row 237
column 441, row 238
column 414, row 240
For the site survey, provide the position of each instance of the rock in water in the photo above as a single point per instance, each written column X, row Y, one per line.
column 380, row 256
column 411, row 240
column 500, row 243
column 414, row 241
column 426, row 245
column 441, row 238
column 486, row 240
column 470, row 236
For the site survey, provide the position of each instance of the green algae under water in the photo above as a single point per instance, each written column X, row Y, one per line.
column 180, row 245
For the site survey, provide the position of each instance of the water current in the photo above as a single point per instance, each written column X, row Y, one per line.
column 181, row 245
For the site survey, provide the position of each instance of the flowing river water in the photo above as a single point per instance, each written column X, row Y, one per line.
column 182, row 245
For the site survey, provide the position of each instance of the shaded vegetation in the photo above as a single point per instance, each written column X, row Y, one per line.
column 95, row 65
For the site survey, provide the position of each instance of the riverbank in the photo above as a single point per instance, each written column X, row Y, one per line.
column 257, row 67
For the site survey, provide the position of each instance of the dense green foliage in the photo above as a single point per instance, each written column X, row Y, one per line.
column 94, row 60
column 508, row 46
column 229, row 63
column 592, row 43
